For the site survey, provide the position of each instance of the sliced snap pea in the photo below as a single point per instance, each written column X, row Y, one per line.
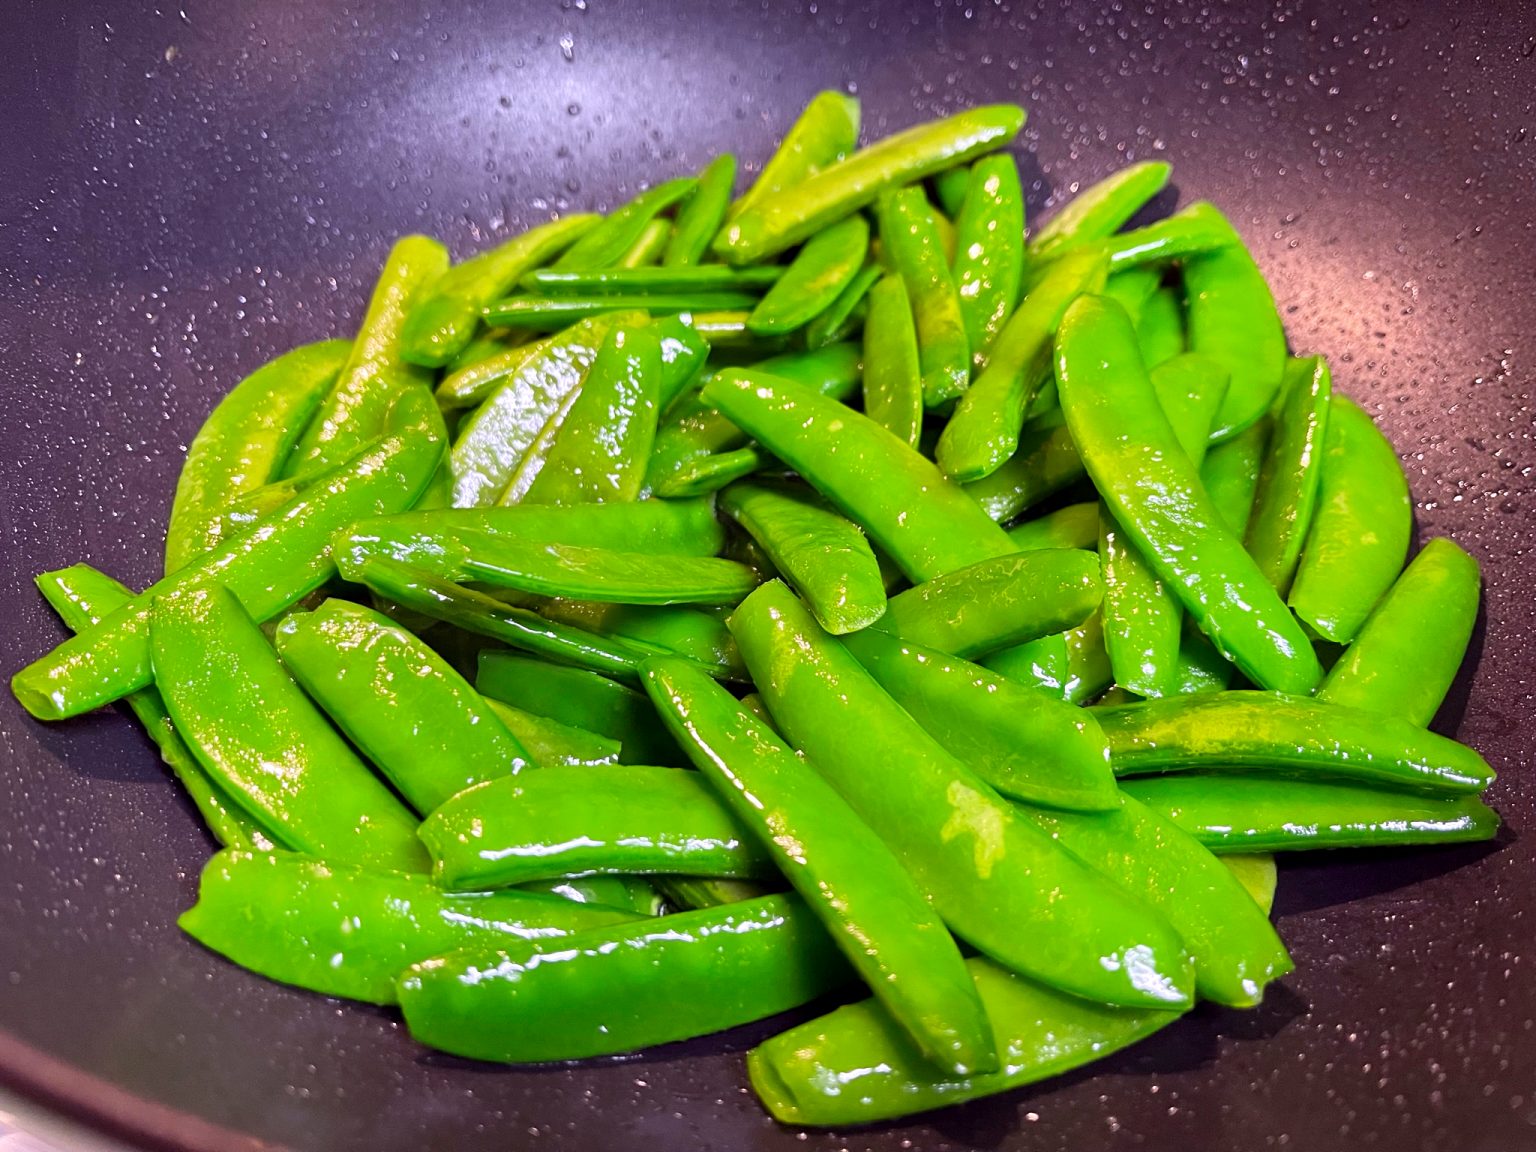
column 550, row 743
column 605, row 243
column 1075, row 526
column 893, row 374
column 1046, row 462
column 1160, row 330
column 1359, row 535
column 1288, row 478
column 841, row 317
column 546, row 313
column 824, row 133
column 1247, row 731
column 666, row 280
column 778, row 220
column 989, row 251
column 700, row 216
column 824, row 266
column 1101, row 209
column 648, row 246
column 910, row 240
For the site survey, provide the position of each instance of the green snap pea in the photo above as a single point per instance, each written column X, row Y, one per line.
column 893, row 374
column 666, row 280
column 648, row 246
column 684, row 893
column 244, row 443
column 823, row 267
column 989, row 251
column 870, row 906
column 949, row 190
column 344, row 931
column 605, row 243
column 1255, row 871
column 487, row 343
column 1074, row 526
column 445, row 313
column 1288, row 478
column 356, row 409
column 546, row 313
column 668, row 629
column 621, row 988
column 1250, row 814
column 550, row 743
column 999, row 883
column 839, row 319
column 1043, row 663
column 1230, row 474
column 706, row 474
column 1131, row 451
column 922, row 521
column 1133, row 289
column 634, row 895
column 269, row 748
column 1359, row 534
column 910, row 238
column 581, row 573
column 1045, row 463
column 1407, row 653
column 778, row 220
column 1102, row 208
column 1249, row 731
column 1027, row 745
column 824, row 556
column 825, row 132
column 987, row 423
column 397, row 701
column 1160, row 330
column 700, row 216
column 1197, row 229
column 1088, row 670
column 571, row 821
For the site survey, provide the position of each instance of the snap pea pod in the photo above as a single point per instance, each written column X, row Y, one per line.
column 581, row 699
column 1232, row 319
column 824, row 556
column 1359, row 534
column 665, row 280
column 706, row 474
column 571, row 821
column 397, row 701
column 603, row 574
column 1295, row 735
column 999, row 883
column 1160, row 330
column 839, row 319
column 910, row 240
column 445, row 313
column 949, row 189
column 1131, row 451
column 1289, row 475
column 1250, row 814
column 1043, row 663
column 995, row 604
column 668, row 629
column 243, row 511
column 1133, row 289
column 1398, row 666
column 1088, row 670
column 269, row 748
column 700, row 216
column 1196, row 229
column 634, row 895
column 1102, row 208
column 1025, row 744
column 244, row 443
column 621, row 988
column 824, row 266
column 987, row 422
column 856, row 1066
column 471, row 384
column 344, row 931
column 1074, row 526
column 356, row 409
column 989, row 251
column 648, row 246
column 1255, row 871
column 550, row 743
column 893, row 374
column 1230, row 475
column 922, row 521
column 684, row 893
column 487, row 343
column 824, row 133
column 868, row 903
column 1046, row 462
column 605, row 243
column 779, row 220
column 546, row 313
column 82, row 596
column 282, row 558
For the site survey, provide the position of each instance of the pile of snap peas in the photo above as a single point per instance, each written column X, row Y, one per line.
column 668, row 619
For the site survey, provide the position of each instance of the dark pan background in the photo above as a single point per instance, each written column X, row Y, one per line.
column 185, row 192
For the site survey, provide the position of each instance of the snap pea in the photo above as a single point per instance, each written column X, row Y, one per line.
column 949, row 189
column 893, row 374
column 1230, row 475
column 1133, row 289
column 546, row 313
column 1250, row 814
column 1101, row 209
column 632, row 894
column 824, row 266
column 1046, row 462
column 487, row 343
column 1355, row 546
column 1255, row 871
column 700, row 216
column 728, row 329
column 910, row 241
column 615, row 818
column 397, row 701
column 550, row 743
column 922, row 521
column 1160, row 330
column 688, row 892
column 847, row 876
column 605, row 243
column 778, row 220
column 244, row 443
column 1088, row 670
column 648, row 246
column 1288, row 478
column 989, row 251
column 269, row 748
column 668, row 629
column 602, row 574
column 824, row 556
column 1044, row 663
column 706, row 474
column 621, row 988
column 1074, row 526
column 1130, row 450
column 839, row 319
column 1397, row 664
column 665, row 280
column 999, row 883
column 1196, row 229
column 1251, row 731
column 1025, row 744
column 356, row 409
column 445, row 313
column 824, row 133
column 345, row 931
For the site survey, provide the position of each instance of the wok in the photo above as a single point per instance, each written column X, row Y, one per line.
column 190, row 190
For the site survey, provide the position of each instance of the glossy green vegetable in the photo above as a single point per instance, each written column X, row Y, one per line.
column 949, row 188
column 622, row 988
column 269, row 748
column 700, row 216
column 397, row 701
column 602, row 574
column 1255, row 871
column 893, row 373
column 1101, row 208
column 488, row 343
column 547, row 313
column 648, row 246
column 825, row 132
column 1132, row 452
column 1250, row 814
column 778, row 220
column 550, row 743
column 921, row 520
column 1359, row 534
column 1270, row 731
column 822, row 555
column 989, row 251
column 350, row 932
column 824, row 266
column 998, row 882
column 911, row 244
column 445, row 313
column 666, row 280
column 667, row 629
column 1160, row 329
column 634, row 895
column 573, row 821
column 1196, row 229
column 1405, row 657
column 605, row 244
column 1046, row 462
column 1230, row 475
column 244, row 443
column 1043, row 663
column 840, row 318
column 1074, row 526
column 1289, row 475
column 688, row 892
column 847, row 876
